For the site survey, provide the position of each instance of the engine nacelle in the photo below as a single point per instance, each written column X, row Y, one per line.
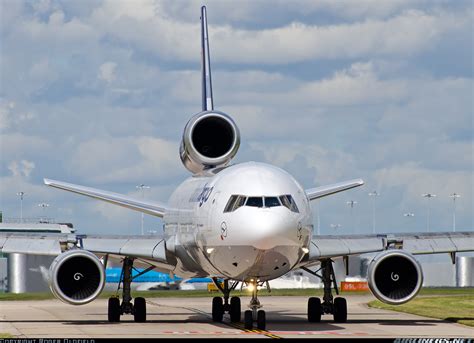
column 76, row 277
column 210, row 139
column 395, row 277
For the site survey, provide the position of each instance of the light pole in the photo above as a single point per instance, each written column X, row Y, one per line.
column 454, row 196
column 142, row 187
column 351, row 204
column 44, row 206
column 428, row 196
column 374, row 195
column 21, row 195
column 408, row 215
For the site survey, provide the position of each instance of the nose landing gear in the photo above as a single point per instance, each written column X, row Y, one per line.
column 335, row 306
column 254, row 314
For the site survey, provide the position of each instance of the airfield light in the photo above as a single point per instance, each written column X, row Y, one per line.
column 373, row 195
column 428, row 196
column 21, row 195
column 454, row 196
column 142, row 187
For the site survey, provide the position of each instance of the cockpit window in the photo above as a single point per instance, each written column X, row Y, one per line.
column 235, row 202
column 288, row 201
column 254, row 202
column 272, row 202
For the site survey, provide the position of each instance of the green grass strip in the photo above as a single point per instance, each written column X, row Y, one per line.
column 454, row 308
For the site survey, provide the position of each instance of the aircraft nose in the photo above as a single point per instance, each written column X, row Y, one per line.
column 268, row 229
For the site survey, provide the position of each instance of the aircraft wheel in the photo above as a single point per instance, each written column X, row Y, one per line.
column 340, row 310
column 314, row 310
column 114, row 310
column 248, row 320
column 261, row 322
column 139, row 310
column 217, row 309
column 235, row 309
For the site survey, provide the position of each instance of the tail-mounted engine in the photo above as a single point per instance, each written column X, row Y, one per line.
column 76, row 277
column 210, row 139
column 395, row 277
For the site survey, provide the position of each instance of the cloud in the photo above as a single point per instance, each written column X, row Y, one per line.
column 133, row 159
column 98, row 92
column 107, row 72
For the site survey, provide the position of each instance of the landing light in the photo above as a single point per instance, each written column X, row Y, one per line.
column 251, row 288
column 209, row 250
column 305, row 250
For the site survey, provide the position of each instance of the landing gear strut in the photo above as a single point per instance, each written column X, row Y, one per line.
column 254, row 314
column 335, row 306
column 138, row 308
column 221, row 306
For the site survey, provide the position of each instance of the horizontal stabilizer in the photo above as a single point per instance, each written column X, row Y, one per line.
column 319, row 192
column 148, row 207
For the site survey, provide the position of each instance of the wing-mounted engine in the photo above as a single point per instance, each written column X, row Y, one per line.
column 76, row 277
column 395, row 277
column 210, row 139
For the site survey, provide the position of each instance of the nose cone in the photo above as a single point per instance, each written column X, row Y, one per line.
column 267, row 228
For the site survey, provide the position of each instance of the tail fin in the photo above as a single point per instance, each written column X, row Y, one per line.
column 207, row 100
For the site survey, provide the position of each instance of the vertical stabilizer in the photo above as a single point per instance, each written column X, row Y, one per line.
column 207, row 100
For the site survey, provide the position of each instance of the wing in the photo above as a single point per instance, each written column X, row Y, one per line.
column 322, row 247
column 148, row 207
column 151, row 249
column 319, row 192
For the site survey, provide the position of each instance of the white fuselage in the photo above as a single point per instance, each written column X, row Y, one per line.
column 249, row 242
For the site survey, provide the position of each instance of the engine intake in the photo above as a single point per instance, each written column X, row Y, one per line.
column 395, row 277
column 210, row 139
column 76, row 277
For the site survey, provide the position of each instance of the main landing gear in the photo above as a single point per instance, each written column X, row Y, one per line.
column 138, row 307
column 221, row 306
column 335, row 306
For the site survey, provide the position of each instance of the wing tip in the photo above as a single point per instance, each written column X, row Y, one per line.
column 47, row 182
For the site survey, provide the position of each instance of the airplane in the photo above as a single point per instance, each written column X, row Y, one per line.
column 244, row 223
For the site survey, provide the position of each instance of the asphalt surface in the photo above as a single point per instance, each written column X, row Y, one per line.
column 191, row 318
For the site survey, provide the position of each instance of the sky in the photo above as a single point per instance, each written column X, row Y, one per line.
column 97, row 93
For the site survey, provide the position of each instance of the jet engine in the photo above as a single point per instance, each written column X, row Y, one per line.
column 395, row 277
column 76, row 277
column 210, row 139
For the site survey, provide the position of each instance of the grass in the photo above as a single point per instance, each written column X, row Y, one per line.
column 205, row 293
column 5, row 335
column 454, row 308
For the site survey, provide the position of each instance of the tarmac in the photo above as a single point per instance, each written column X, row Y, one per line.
column 191, row 318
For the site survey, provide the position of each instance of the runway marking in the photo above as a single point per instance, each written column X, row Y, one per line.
column 237, row 326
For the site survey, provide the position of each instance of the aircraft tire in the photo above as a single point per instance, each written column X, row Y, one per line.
column 248, row 320
column 114, row 310
column 340, row 310
column 261, row 321
column 235, row 309
column 217, row 309
column 314, row 310
column 139, row 312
